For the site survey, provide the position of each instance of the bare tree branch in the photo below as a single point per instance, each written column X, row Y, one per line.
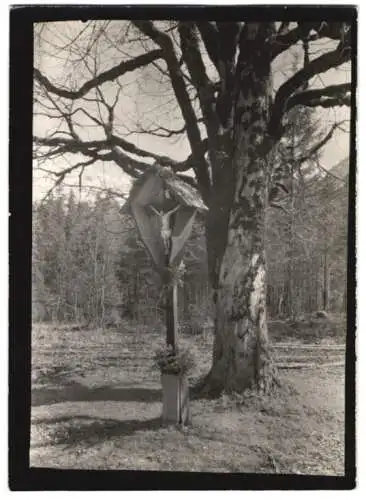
column 285, row 38
column 229, row 33
column 209, row 35
column 315, row 149
column 63, row 173
column 111, row 74
column 333, row 95
column 161, row 131
column 113, row 145
column 193, row 59
column 72, row 145
column 321, row 64
column 132, row 167
column 328, row 172
column 164, row 41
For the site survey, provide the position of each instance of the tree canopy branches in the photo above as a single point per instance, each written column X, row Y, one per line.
column 209, row 34
column 310, row 31
column 317, row 66
column 197, row 64
column 111, row 74
column 332, row 95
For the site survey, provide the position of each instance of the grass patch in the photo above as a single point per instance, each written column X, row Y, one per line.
column 97, row 405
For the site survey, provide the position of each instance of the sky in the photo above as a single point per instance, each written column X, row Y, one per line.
column 141, row 98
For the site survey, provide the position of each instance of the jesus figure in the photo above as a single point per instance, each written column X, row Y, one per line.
column 166, row 227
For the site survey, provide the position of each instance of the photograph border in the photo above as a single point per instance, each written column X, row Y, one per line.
column 22, row 477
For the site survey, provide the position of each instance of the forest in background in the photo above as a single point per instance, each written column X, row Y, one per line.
column 89, row 265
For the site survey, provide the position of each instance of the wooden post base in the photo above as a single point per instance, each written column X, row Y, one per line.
column 175, row 399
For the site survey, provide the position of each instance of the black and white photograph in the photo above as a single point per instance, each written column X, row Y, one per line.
column 191, row 299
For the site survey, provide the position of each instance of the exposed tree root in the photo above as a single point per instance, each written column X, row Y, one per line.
column 208, row 388
column 215, row 383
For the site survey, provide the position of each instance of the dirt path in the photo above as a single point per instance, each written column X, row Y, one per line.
column 91, row 410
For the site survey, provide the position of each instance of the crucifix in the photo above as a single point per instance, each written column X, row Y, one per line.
column 164, row 208
column 166, row 226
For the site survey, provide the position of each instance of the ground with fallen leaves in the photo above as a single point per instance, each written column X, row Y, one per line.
column 96, row 404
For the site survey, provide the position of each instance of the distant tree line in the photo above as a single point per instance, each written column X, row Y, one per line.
column 307, row 249
column 89, row 264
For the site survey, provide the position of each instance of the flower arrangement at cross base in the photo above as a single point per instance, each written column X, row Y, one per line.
column 169, row 362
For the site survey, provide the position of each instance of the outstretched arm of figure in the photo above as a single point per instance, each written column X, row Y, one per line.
column 164, row 214
column 172, row 210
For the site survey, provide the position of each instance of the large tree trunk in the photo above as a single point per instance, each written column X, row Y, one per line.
column 235, row 236
column 241, row 354
column 241, row 357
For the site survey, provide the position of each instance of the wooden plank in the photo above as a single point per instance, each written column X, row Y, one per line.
column 171, row 315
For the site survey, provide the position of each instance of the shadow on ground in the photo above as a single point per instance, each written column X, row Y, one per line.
column 79, row 392
column 88, row 430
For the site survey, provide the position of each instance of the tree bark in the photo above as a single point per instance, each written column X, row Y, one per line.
column 241, row 354
column 235, row 236
column 171, row 315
